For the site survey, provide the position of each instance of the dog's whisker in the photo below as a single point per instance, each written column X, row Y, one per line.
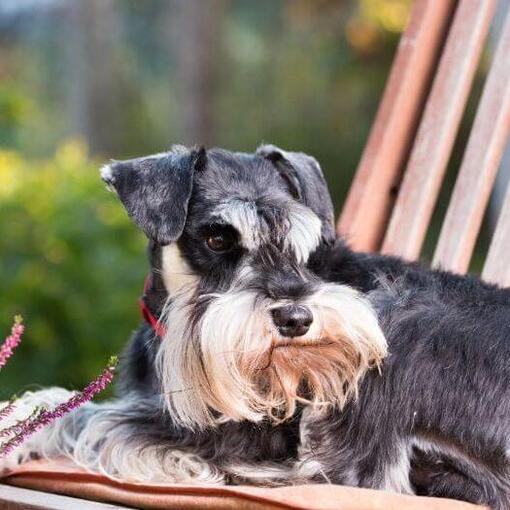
column 172, row 392
column 241, row 351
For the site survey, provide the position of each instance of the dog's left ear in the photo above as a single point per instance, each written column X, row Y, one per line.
column 304, row 176
column 155, row 190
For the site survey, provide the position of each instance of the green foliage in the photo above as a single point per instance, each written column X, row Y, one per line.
column 71, row 263
column 15, row 107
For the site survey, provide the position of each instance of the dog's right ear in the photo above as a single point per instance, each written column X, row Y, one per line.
column 155, row 190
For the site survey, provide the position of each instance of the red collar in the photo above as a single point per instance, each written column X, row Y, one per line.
column 149, row 317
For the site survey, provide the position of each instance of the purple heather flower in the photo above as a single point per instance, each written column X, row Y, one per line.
column 17, row 427
column 12, row 341
column 41, row 417
column 8, row 408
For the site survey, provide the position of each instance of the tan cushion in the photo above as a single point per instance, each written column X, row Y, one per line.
column 63, row 478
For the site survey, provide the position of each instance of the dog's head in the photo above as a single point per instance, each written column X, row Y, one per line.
column 251, row 330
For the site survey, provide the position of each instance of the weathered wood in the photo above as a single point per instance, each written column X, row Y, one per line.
column 497, row 267
column 15, row 498
column 479, row 166
column 368, row 205
column 438, row 128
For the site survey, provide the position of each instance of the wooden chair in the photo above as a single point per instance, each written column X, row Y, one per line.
column 395, row 189
column 396, row 186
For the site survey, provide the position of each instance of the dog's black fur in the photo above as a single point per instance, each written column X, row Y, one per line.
column 446, row 374
column 442, row 393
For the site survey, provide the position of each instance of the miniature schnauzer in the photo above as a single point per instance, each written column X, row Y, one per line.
column 273, row 354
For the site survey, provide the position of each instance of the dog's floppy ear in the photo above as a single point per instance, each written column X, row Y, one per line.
column 155, row 190
column 306, row 181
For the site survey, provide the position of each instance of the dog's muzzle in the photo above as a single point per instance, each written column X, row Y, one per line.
column 248, row 358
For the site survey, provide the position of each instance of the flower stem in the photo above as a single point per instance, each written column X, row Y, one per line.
column 12, row 341
column 41, row 417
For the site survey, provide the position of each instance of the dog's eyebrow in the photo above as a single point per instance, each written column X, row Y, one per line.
column 244, row 217
column 257, row 224
column 217, row 224
column 304, row 234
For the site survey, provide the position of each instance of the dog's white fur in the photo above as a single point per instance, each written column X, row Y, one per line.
column 304, row 232
column 175, row 270
column 93, row 437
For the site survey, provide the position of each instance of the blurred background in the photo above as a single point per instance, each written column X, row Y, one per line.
column 83, row 81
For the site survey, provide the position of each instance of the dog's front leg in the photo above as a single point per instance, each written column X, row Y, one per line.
column 441, row 476
column 115, row 438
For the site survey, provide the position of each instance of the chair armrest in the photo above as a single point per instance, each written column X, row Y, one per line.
column 15, row 498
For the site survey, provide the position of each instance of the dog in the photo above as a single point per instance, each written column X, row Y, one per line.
column 273, row 354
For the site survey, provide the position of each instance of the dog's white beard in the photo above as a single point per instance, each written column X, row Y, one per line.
column 232, row 365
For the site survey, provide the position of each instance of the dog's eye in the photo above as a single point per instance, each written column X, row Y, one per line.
column 220, row 242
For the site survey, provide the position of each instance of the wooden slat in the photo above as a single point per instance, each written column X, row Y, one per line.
column 368, row 205
column 497, row 268
column 439, row 125
column 480, row 164
column 14, row 498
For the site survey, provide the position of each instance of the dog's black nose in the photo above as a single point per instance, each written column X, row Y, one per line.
column 292, row 320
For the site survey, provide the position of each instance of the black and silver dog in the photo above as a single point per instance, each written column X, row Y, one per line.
column 272, row 354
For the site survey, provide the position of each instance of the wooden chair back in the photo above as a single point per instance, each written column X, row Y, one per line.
column 390, row 203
